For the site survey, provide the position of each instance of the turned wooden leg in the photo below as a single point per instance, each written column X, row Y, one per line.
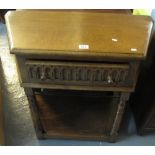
column 120, row 110
column 34, row 112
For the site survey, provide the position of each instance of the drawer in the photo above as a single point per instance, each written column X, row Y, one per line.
column 76, row 73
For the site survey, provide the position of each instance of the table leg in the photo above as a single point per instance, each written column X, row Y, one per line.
column 120, row 110
column 34, row 112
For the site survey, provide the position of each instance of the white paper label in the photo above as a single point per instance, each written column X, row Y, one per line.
column 133, row 49
column 83, row 46
column 114, row 39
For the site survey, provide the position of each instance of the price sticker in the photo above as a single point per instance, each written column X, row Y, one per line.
column 83, row 46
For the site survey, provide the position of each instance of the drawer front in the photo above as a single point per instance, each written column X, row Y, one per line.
column 67, row 73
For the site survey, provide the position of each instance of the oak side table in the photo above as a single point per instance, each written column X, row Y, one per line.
column 77, row 68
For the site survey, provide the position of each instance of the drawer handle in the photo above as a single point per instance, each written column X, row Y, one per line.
column 109, row 79
column 42, row 77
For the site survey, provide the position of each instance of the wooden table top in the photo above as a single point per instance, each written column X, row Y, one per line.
column 78, row 33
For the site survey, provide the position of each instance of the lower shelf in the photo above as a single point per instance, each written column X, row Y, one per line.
column 68, row 115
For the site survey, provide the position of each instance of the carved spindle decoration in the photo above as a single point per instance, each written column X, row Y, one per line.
column 55, row 73
column 51, row 73
column 65, row 76
column 102, row 75
column 118, row 75
column 83, row 74
column 31, row 72
column 114, row 75
column 80, row 74
column 38, row 72
column 88, row 74
column 60, row 73
column 68, row 74
column 73, row 74
column 77, row 74
column 98, row 75
column 124, row 74
column 93, row 75
column 47, row 73
column 63, row 73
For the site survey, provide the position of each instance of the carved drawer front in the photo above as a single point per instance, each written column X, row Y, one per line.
column 75, row 73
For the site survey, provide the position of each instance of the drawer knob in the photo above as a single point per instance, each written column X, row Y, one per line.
column 109, row 79
column 42, row 77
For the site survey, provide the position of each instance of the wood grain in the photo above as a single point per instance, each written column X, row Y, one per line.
column 116, row 11
column 58, row 33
